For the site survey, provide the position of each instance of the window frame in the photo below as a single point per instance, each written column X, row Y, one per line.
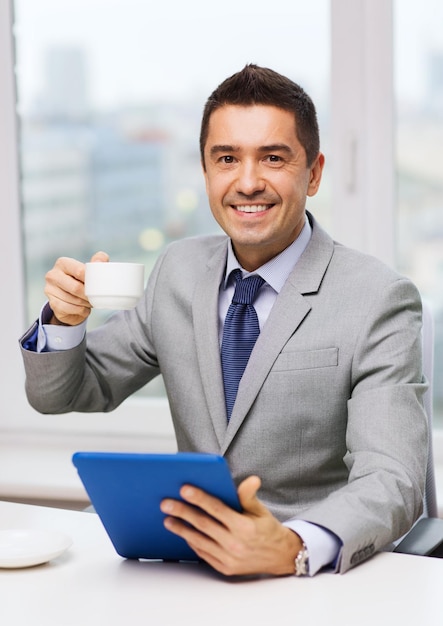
column 362, row 128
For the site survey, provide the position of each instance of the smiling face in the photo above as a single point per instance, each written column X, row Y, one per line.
column 257, row 179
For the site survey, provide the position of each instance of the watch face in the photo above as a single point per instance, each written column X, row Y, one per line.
column 302, row 563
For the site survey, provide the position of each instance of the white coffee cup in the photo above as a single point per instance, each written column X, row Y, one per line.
column 114, row 285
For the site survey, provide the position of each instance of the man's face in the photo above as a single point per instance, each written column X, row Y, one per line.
column 257, row 179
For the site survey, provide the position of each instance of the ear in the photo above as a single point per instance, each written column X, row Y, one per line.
column 315, row 174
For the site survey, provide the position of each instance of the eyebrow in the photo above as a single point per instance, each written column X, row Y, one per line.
column 275, row 147
column 222, row 148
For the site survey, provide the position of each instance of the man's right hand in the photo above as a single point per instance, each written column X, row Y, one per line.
column 65, row 290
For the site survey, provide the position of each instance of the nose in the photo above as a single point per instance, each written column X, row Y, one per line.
column 249, row 180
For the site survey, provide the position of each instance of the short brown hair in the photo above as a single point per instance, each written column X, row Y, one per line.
column 260, row 85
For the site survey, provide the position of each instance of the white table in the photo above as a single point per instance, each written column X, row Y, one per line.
column 91, row 584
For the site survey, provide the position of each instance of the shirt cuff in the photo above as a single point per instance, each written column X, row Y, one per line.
column 323, row 546
column 53, row 337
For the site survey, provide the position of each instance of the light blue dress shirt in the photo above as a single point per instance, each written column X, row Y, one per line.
column 323, row 546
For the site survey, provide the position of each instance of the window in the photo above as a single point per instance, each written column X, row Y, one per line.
column 109, row 113
column 419, row 160
column 108, row 118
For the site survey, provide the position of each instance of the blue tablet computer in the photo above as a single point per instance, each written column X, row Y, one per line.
column 126, row 490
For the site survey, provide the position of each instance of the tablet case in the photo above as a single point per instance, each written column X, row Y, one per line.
column 126, row 490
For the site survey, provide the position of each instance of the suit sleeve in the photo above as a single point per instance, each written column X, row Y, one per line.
column 110, row 364
column 386, row 437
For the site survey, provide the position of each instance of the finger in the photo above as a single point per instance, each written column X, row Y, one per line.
column 205, row 547
column 101, row 257
column 68, row 314
column 69, row 267
column 64, row 289
column 66, row 281
column 183, row 528
column 67, row 308
column 211, row 505
column 209, row 539
column 57, row 295
column 247, row 494
column 194, row 515
column 194, row 526
column 203, row 532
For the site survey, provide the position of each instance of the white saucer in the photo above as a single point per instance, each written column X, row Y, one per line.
column 24, row 547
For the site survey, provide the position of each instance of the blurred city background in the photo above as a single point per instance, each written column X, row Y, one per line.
column 119, row 168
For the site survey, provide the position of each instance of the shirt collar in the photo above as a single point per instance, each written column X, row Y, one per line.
column 276, row 271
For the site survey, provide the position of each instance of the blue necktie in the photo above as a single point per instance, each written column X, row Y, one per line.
column 240, row 333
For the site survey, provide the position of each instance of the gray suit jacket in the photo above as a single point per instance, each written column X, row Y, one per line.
column 329, row 410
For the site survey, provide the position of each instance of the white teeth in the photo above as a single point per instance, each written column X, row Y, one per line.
column 252, row 208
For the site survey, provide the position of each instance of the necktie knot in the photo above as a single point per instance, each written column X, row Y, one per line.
column 246, row 288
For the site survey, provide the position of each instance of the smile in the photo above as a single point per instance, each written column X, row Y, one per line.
column 252, row 208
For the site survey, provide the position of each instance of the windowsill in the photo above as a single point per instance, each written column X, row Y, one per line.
column 36, row 467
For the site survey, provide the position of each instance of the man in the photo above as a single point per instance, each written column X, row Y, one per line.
column 326, row 435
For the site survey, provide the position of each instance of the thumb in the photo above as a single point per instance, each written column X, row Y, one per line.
column 247, row 494
column 100, row 257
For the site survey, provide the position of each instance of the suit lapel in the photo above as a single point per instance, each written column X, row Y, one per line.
column 286, row 315
column 205, row 320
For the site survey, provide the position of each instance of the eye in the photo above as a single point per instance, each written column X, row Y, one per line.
column 227, row 159
column 274, row 158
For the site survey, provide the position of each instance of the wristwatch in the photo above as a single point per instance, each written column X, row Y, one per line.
column 302, row 562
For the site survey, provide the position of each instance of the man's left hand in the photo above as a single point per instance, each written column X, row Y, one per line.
column 250, row 542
